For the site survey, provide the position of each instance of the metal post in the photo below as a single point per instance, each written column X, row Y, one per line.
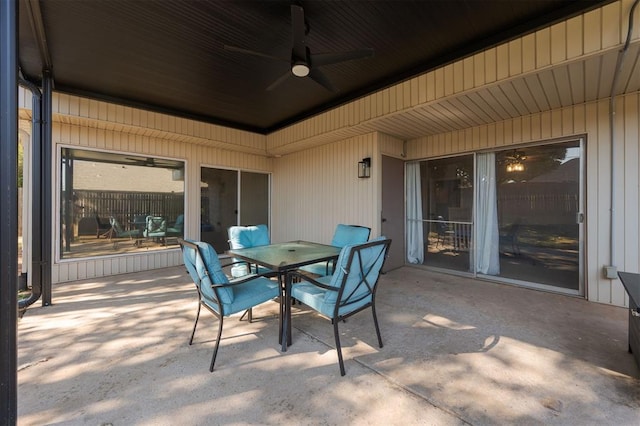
column 45, row 187
column 8, row 211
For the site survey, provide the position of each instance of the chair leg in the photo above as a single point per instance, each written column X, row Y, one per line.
column 215, row 350
column 338, row 347
column 193, row 333
column 249, row 314
column 375, row 321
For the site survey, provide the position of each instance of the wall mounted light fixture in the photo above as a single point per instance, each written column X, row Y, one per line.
column 364, row 168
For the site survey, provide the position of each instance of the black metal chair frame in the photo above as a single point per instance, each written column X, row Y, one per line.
column 220, row 315
column 345, row 301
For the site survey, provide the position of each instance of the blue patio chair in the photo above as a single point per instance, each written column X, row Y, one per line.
column 216, row 293
column 245, row 237
column 343, row 235
column 351, row 289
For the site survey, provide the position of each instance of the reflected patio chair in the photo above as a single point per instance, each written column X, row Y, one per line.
column 117, row 231
column 343, row 235
column 351, row 289
column 103, row 229
column 177, row 228
column 216, row 293
column 509, row 239
column 156, row 228
column 445, row 233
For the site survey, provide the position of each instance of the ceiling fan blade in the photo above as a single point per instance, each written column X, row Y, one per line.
column 298, row 32
column 279, row 81
column 320, row 59
column 252, row 52
column 317, row 76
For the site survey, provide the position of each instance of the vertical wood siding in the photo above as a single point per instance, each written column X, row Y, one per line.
column 316, row 189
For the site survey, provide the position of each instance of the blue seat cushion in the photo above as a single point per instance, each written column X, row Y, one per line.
column 348, row 234
column 323, row 301
column 252, row 293
column 248, row 236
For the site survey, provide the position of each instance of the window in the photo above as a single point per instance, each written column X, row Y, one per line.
column 118, row 203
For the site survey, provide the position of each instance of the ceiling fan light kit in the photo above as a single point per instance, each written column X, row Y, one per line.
column 300, row 69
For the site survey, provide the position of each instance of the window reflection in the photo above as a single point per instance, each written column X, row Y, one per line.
column 115, row 203
column 537, row 208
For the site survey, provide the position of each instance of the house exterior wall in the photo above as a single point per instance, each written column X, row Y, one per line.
column 314, row 180
column 97, row 125
column 572, row 102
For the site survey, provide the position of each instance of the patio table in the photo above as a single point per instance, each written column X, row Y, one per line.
column 283, row 257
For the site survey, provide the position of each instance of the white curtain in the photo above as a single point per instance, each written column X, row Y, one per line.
column 415, row 236
column 488, row 243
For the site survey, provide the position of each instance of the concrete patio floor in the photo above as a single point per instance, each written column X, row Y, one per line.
column 457, row 351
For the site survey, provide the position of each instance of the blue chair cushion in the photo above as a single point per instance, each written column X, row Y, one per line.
column 314, row 296
column 248, row 236
column 347, row 234
column 251, row 293
column 210, row 258
column 343, row 235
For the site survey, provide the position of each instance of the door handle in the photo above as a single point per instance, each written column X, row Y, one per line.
column 384, row 220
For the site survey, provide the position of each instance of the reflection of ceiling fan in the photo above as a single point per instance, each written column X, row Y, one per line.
column 150, row 162
column 515, row 162
column 302, row 62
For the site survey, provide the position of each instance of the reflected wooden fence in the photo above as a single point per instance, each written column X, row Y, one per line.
column 125, row 206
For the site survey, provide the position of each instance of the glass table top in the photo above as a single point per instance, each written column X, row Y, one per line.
column 289, row 255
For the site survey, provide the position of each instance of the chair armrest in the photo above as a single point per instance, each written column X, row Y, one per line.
column 248, row 277
column 307, row 278
column 237, row 262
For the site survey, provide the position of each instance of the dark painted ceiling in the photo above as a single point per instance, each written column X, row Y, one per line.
column 168, row 55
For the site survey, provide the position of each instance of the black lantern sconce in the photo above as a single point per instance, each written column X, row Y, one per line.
column 364, row 168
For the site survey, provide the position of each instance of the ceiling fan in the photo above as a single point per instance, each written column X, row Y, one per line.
column 303, row 63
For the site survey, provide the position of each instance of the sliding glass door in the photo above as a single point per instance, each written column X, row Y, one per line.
column 231, row 197
column 539, row 214
column 514, row 215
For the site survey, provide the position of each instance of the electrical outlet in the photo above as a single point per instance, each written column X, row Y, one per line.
column 610, row 272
